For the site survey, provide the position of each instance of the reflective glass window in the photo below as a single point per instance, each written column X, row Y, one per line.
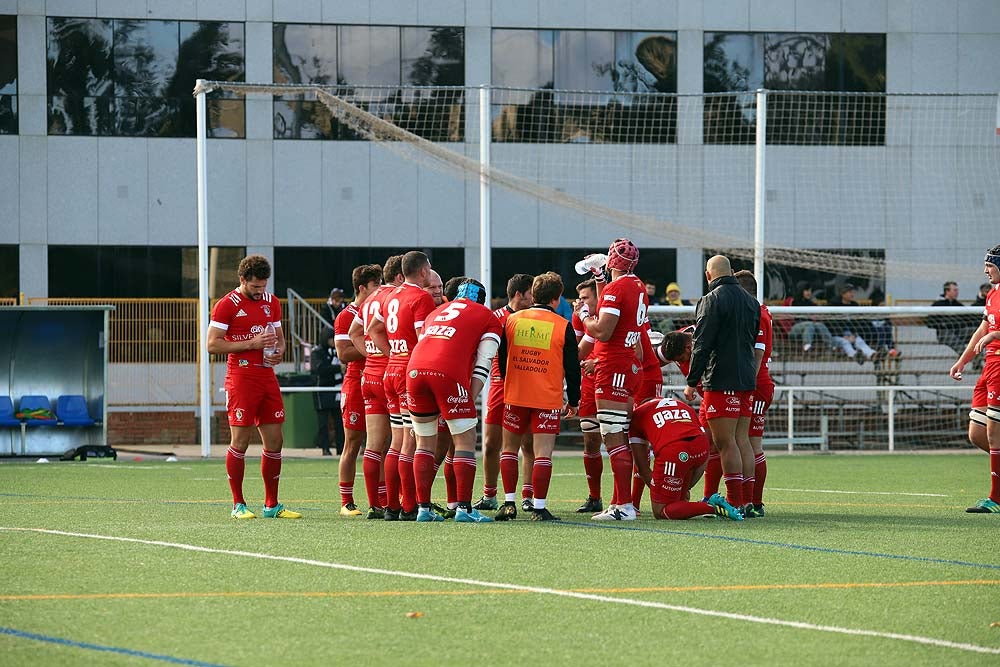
column 8, row 75
column 628, row 65
column 737, row 63
column 130, row 77
column 368, row 65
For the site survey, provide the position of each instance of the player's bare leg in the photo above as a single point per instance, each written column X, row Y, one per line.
column 407, row 484
column 747, row 457
column 614, row 418
column 724, row 434
column 977, row 433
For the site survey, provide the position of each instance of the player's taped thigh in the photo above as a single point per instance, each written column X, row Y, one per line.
column 459, row 426
column 993, row 413
column 395, row 421
column 613, row 421
column 978, row 416
column 589, row 425
column 425, row 429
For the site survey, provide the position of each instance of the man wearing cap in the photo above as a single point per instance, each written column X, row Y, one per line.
column 334, row 305
column 617, row 328
column 984, row 419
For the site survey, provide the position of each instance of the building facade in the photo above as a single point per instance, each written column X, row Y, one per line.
column 97, row 156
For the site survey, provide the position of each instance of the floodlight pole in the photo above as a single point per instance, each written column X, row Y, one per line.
column 760, row 193
column 485, row 232
column 204, row 369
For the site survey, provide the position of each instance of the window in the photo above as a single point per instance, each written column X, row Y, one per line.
column 295, row 268
column 10, row 262
column 790, row 63
column 8, row 75
column 371, row 64
column 125, row 77
column 628, row 66
column 138, row 271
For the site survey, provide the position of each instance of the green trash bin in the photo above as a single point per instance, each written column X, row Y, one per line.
column 301, row 423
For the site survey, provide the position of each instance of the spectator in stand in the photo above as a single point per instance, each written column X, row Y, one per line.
column 880, row 334
column 651, row 293
column 952, row 331
column 847, row 333
column 334, row 305
column 984, row 289
column 807, row 329
column 674, row 296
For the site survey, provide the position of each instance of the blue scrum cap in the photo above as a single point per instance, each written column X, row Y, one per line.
column 472, row 290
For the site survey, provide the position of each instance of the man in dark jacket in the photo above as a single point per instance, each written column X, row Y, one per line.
column 722, row 359
column 327, row 371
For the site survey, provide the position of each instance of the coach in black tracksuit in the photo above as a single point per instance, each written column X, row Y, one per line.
column 722, row 359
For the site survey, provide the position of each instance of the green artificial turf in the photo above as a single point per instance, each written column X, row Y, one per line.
column 889, row 551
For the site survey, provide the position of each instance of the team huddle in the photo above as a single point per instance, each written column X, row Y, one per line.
column 419, row 353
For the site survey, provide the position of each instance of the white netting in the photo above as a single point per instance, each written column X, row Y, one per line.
column 869, row 172
column 908, row 350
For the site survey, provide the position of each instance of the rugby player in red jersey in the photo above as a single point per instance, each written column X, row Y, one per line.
column 593, row 461
column 373, row 391
column 399, row 322
column 366, row 280
column 518, row 298
column 239, row 328
column 447, row 370
column 750, row 426
column 680, row 450
column 985, row 414
column 617, row 329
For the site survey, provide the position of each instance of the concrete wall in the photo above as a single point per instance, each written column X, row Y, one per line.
column 85, row 190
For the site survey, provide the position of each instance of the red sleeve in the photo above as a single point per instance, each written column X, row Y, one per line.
column 276, row 311
column 223, row 311
column 422, row 308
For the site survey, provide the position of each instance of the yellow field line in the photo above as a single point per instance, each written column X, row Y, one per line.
column 345, row 594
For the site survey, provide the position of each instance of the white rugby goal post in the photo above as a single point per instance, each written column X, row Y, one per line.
column 820, row 171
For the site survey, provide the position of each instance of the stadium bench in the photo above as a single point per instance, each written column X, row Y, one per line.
column 37, row 410
column 71, row 410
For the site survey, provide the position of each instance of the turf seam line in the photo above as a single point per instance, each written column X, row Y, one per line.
column 784, row 545
column 107, row 649
column 928, row 641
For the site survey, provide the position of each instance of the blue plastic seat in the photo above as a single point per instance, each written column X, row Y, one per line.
column 72, row 410
column 35, row 402
column 7, row 417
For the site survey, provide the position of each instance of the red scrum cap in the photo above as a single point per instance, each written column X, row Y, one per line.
column 623, row 255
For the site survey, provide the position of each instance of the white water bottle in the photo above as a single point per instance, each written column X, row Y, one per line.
column 591, row 263
column 270, row 349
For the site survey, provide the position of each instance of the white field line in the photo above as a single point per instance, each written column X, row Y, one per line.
column 928, row 641
column 860, row 493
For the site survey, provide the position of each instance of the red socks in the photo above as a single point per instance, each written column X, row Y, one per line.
column 713, row 473
column 508, row 471
column 423, row 470
column 593, row 465
column 685, row 510
column 541, row 475
column 391, row 465
column 995, row 475
column 734, row 489
column 235, row 468
column 621, row 468
column 759, row 474
column 465, row 475
column 371, row 465
column 407, row 483
column 270, row 470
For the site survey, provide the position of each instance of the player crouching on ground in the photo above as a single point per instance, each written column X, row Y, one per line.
column 680, row 451
column 447, row 370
